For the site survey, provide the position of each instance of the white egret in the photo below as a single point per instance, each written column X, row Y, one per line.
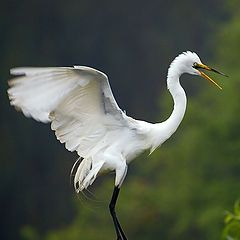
column 79, row 103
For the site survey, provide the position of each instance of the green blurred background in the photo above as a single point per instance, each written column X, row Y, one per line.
column 179, row 192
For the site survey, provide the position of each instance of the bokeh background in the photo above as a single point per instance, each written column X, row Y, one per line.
column 179, row 192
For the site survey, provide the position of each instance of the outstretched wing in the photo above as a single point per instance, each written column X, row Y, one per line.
column 77, row 100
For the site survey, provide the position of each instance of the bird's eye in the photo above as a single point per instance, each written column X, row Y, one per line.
column 195, row 65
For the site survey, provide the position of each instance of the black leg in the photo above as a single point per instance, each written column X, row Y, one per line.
column 118, row 228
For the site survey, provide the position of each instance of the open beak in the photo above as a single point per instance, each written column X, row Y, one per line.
column 199, row 66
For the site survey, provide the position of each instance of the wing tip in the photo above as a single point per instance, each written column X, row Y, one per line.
column 17, row 71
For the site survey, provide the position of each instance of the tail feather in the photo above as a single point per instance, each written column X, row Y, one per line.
column 86, row 174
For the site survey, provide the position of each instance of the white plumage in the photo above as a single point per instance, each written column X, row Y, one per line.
column 83, row 113
column 79, row 103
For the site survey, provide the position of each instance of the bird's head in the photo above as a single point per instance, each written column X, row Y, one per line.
column 189, row 62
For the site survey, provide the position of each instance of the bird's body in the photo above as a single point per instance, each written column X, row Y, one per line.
column 79, row 103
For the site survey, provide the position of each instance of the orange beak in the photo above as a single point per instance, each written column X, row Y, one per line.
column 199, row 66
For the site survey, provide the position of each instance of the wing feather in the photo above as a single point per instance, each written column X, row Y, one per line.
column 77, row 101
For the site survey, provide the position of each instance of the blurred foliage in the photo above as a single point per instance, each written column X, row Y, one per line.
column 180, row 191
column 232, row 224
column 29, row 233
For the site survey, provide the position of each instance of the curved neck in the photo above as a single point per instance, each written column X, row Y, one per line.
column 179, row 99
column 162, row 131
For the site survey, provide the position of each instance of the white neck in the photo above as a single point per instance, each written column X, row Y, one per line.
column 179, row 99
column 165, row 129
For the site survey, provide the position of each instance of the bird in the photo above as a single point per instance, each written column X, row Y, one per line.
column 79, row 104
